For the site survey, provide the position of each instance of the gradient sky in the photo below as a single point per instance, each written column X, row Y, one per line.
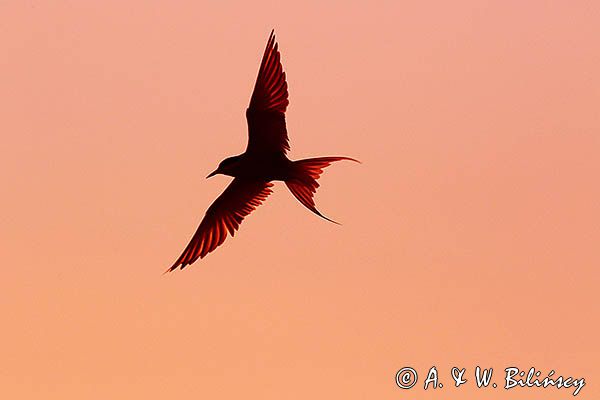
column 470, row 232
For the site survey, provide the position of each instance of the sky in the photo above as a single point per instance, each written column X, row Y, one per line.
column 469, row 232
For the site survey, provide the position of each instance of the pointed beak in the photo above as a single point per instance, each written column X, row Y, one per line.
column 216, row 171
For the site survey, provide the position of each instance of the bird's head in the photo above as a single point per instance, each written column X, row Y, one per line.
column 226, row 167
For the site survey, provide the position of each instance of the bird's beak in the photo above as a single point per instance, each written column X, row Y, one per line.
column 216, row 171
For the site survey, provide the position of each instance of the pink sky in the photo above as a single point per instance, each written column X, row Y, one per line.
column 470, row 232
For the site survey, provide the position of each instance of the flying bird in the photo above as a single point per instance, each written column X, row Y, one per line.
column 264, row 161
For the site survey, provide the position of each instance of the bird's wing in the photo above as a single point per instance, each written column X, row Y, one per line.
column 266, row 113
column 226, row 213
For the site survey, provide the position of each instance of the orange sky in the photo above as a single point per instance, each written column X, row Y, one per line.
column 470, row 232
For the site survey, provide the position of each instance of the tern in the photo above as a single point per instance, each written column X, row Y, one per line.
column 264, row 161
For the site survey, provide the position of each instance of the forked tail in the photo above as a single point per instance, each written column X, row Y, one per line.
column 303, row 182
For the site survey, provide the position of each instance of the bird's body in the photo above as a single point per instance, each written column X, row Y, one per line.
column 274, row 167
column 265, row 160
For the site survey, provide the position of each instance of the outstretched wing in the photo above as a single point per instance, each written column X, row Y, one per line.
column 266, row 114
column 226, row 213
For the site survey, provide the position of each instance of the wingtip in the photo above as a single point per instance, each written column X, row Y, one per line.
column 175, row 266
column 170, row 269
column 271, row 42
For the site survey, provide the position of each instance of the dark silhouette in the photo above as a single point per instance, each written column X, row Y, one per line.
column 264, row 161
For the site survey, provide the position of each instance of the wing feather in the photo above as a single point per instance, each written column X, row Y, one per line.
column 226, row 214
column 267, row 131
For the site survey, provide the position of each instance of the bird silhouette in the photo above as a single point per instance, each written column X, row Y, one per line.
column 263, row 161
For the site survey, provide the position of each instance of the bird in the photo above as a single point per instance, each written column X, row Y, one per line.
column 264, row 161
